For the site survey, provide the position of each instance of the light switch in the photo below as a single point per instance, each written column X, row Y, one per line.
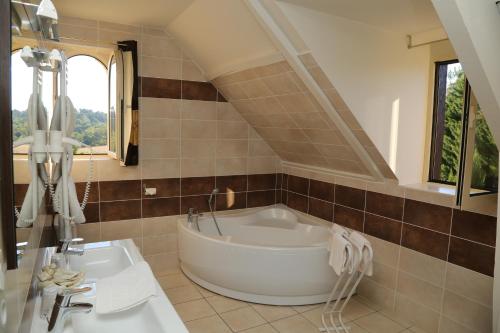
column 150, row 191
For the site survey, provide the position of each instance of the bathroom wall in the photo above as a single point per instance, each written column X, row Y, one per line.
column 191, row 141
column 382, row 82
column 433, row 264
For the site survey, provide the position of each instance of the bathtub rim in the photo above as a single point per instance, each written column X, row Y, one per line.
column 182, row 224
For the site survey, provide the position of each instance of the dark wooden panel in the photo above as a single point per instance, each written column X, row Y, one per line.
column 6, row 166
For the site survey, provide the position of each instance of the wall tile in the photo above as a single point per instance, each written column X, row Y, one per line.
column 231, row 200
column 297, row 202
column 420, row 291
column 160, row 207
column 237, row 183
column 467, row 313
column 478, row 257
column 348, row 217
column 261, row 182
column 298, row 185
column 159, row 225
column 260, row 198
column 321, row 190
column 425, row 241
column 120, row 210
column 91, row 212
column 467, row 283
column 165, row 187
column 351, row 197
column 321, row 209
column 385, row 205
column 197, row 185
column 160, row 88
column 202, row 91
column 422, row 266
column 426, row 215
column 199, row 202
column 384, row 228
column 476, row 227
column 120, row 190
column 121, row 229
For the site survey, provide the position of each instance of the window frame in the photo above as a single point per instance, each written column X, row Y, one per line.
column 110, row 152
column 435, row 120
column 464, row 136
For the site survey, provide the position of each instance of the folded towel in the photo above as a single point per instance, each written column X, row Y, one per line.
column 125, row 290
column 340, row 254
column 337, row 229
column 362, row 249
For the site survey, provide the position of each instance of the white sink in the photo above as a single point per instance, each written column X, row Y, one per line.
column 105, row 259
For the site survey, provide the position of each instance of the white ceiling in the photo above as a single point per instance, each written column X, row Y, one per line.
column 400, row 16
column 149, row 12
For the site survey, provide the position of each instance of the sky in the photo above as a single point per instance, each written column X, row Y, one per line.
column 87, row 84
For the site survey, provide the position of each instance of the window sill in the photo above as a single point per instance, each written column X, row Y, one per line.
column 19, row 157
column 443, row 189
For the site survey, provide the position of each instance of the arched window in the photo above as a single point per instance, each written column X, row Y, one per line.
column 22, row 88
column 88, row 90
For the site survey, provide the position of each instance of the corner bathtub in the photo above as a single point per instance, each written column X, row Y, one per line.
column 266, row 256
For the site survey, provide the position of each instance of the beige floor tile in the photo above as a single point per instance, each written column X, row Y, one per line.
column 183, row 294
column 261, row 329
column 194, row 310
column 173, row 281
column 224, row 304
column 205, row 292
column 304, row 308
column 377, row 323
column 272, row 313
column 353, row 310
column 242, row 319
column 208, row 325
column 295, row 324
column 416, row 330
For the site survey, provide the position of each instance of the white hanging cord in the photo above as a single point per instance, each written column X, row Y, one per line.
column 57, row 204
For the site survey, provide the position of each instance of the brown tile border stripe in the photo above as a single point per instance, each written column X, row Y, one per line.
column 179, row 89
column 460, row 237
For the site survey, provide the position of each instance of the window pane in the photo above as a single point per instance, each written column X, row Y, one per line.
column 88, row 90
column 22, row 88
column 447, row 127
column 112, row 107
column 485, row 158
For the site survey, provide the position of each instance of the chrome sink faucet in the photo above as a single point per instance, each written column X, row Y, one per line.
column 63, row 308
column 65, row 248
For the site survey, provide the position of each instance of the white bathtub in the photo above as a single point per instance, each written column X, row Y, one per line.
column 266, row 256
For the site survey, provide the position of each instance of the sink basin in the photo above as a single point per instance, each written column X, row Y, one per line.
column 102, row 259
column 105, row 259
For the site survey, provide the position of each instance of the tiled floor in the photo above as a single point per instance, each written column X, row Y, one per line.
column 206, row 312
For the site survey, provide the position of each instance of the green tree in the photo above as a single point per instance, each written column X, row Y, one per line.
column 485, row 158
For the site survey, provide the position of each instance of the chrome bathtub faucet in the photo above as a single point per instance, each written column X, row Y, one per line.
column 193, row 216
column 63, row 308
column 210, row 199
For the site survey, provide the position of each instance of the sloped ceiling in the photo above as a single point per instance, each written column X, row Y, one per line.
column 399, row 16
column 148, row 12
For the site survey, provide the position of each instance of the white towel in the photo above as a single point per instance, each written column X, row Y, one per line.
column 340, row 254
column 338, row 229
column 362, row 249
column 125, row 290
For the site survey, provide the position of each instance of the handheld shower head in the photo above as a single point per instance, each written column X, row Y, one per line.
column 214, row 192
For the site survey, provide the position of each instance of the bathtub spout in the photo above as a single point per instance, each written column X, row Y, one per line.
column 210, row 199
column 193, row 217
